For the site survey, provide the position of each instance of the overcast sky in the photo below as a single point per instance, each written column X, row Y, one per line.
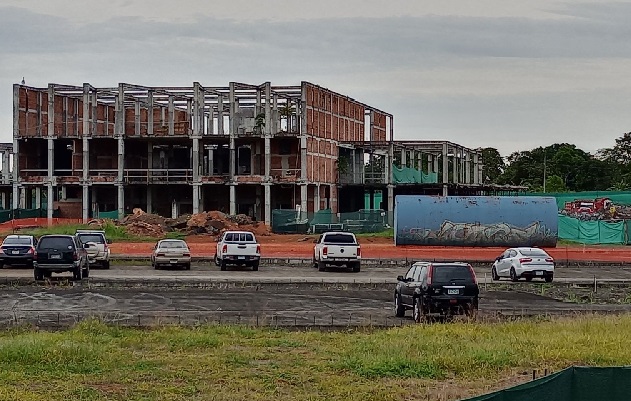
column 510, row 74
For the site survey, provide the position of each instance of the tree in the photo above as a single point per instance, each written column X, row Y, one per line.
column 554, row 183
column 493, row 164
column 621, row 152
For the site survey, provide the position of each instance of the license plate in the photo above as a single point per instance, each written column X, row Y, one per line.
column 241, row 257
column 15, row 252
column 539, row 273
column 173, row 261
column 453, row 292
column 55, row 256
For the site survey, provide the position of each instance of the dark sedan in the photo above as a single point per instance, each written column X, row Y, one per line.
column 18, row 250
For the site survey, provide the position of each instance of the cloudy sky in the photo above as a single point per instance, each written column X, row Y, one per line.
column 511, row 74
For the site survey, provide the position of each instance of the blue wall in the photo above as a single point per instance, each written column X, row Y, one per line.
column 506, row 221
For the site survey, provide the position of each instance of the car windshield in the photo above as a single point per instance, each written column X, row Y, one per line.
column 172, row 245
column 534, row 252
column 56, row 243
column 339, row 239
column 17, row 241
column 448, row 273
column 97, row 238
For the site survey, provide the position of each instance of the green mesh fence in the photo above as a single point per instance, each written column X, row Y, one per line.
column 572, row 384
column 6, row 215
column 593, row 232
column 406, row 175
column 618, row 197
column 288, row 221
column 113, row 215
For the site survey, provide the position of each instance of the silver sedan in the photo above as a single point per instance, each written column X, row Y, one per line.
column 171, row 252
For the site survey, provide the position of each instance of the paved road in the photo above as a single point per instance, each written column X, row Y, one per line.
column 59, row 306
column 283, row 274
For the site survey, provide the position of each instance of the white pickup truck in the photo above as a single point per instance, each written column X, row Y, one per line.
column 238, row 248
column 337, row 249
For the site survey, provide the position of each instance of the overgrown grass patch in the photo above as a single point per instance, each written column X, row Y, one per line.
column 95, row 361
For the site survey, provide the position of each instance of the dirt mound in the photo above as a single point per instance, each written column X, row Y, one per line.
column 212, row 222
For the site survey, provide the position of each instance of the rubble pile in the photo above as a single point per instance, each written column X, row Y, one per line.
column 214, row 223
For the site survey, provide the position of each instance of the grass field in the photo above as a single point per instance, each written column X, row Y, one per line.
column 435, row 362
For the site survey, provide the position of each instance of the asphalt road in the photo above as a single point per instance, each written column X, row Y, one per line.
column 286, row 274
column 284, row 305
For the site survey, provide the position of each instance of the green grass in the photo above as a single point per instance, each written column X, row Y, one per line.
column 97, row 362
column 389, row 233
column 112, row 232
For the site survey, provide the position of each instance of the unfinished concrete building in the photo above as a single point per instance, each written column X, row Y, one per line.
column 89, row 151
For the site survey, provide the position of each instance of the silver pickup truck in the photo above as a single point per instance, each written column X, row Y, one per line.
column 337, row 249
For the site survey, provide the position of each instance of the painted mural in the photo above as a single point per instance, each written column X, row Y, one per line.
column 476, row 221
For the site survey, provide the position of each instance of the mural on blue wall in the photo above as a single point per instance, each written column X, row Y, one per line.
column 476, row 221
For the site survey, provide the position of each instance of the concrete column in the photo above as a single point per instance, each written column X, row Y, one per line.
column 220, row 130
column 121, row 201
column 211, row 161
column 149, row 199
column 463, row 164
column 6, row 168
column 63, row 192
column 267, row 148
column 196, row 197
column 85, row 200
column 435, row 163
column 476, row 168
column 232, row 131
column 445, row 157
column 149, row 113
column 430, row 163
column 50, row 196
column 233, row 199
column 119, row 133
column 22, row 198
column 391, row 205
column 456, row 166
column 3, row 200
column 316, row 198
column 267, row 188
column 467, row 176
column 149, row 159
column 403, row 158
column 38, row 197
column 303, row 198
column 303, row 133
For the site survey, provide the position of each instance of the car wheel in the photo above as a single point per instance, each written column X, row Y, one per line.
column 187, row 266
column 549, row 279
column 513, row 275
column 2, row 265
column 419, row 311
column 357, row 267
column 216, row 260
column 321, row 266
column 528, row 278
column 399, row 308
column 314, row 264
column 222, row 265
column 255, row 266
column 47, row 274
column 86, row 271
column 494, row 274
column 106, row 265
column 77, row 273
column 37, row 274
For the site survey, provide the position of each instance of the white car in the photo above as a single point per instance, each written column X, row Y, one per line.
column 337, row 248
column 98, row 249
column 238, row 248
column 528, row 263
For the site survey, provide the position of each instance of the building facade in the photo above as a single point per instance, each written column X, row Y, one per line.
column 242, row 148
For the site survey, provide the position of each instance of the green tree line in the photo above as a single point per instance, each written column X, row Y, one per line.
column 565, row 168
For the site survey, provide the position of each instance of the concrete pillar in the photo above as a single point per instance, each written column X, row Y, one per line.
column 211, row 161
column 220, row 130
column 121, row 201
column 3, row 200
column 391, row 205
column 85, row 200
column 403, row 158
column 38, row 197
column 232, row 131
column 195, row 159
column 50, row 196
column 149, row 160
column 267, row 152
column 233, row 199
column 435, row 163
column 149, row 199
column 463, row 164
column 196, row 197
column 445, row 156
column 303, row 199
column 22, row 198
column 456, row 166
column 467, row 174
column 119, row 133
column 63, row 192
column 267, row 188
column 430, row 163
column 6, row 168
column 303, row 133
column 316, row 198
column 476, row 168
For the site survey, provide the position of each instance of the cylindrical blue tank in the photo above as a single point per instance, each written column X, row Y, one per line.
column 507, row 221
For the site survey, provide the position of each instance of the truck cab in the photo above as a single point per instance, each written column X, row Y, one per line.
column 337, row 248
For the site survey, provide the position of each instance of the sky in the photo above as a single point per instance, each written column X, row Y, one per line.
column 509, row 74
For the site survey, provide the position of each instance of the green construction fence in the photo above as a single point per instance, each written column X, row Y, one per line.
column 289, row 221
column 10, row 214
column 571, row 384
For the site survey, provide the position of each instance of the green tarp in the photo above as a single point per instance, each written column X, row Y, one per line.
column 406, row 175
column 113, row 215
column 572, row 384
column 618, row 197
column 592, row 232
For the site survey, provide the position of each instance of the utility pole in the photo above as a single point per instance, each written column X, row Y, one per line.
column 545, row 159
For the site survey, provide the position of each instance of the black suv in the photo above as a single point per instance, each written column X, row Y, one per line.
column 60, row 253
column 444, row 289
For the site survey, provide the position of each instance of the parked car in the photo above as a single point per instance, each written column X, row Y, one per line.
column 524, row 262
column 443, row 289
column 18, row 250
column 98, row 249
column 337, row 248
column 238, row 248
column 171, row 252
column 58, row 254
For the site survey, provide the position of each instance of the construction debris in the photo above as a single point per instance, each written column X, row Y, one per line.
column 145, row 224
